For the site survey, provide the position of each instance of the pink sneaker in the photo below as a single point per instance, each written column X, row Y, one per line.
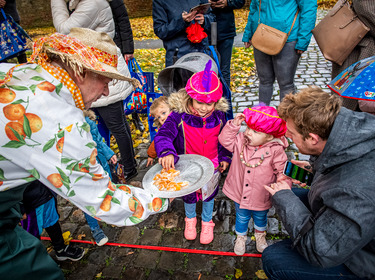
column 207, row 234
column 190, row 232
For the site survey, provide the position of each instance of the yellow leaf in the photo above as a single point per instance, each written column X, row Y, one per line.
column 261, row 275
column 99, row 275
column 67, row 237
column 238, row 273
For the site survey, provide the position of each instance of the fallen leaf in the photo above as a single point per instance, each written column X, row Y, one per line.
column 261, row 275
column 238, row 273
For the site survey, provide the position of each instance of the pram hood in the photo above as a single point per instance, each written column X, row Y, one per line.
column 175, row 77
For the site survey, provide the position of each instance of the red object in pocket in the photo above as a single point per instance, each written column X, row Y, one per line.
column 195, row 33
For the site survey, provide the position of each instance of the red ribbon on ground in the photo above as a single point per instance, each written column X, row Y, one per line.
column 163, row 248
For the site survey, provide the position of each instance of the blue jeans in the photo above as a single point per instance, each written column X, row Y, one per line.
column 243, row 217
column 282, row 66
column 225, row 50
column 207, row 209
column 281, row 262
column 93, row 223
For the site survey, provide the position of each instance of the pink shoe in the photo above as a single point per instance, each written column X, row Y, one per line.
column 207, row 234
column 190, row 232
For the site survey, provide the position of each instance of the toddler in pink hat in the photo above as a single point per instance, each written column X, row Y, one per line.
column 258, row 159
column 193, row 127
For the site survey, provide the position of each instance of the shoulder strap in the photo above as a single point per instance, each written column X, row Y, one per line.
column 295, row 17
column 306, row 227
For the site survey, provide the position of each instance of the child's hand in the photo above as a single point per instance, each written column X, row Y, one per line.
column 167, row 162
column 223, row 166
column 239, row 118
column 113, row 159
column 150, row 161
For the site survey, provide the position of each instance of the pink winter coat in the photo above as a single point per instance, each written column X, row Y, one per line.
column 244, row 185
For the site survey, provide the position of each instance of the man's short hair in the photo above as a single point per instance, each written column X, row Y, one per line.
column 312, row 110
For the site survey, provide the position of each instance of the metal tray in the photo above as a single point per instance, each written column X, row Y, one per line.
column 195, row 169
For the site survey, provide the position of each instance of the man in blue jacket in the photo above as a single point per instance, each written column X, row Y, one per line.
column 332, row 224
column 280, row 15
column 171, row 18
column 226, row 31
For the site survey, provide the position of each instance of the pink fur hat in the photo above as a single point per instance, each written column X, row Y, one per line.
column 265, row 119
column 205, row 86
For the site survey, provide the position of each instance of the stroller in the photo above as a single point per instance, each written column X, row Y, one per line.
column 175, row 77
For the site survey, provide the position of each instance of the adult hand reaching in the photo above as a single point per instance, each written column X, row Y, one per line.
column 275, row 187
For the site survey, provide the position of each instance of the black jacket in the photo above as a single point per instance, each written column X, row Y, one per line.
column 344, row 182
column 226, row 27
column 170, row 27
column 10, row 8
column 123, row 31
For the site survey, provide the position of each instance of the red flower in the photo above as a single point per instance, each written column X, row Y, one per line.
column 195, row 33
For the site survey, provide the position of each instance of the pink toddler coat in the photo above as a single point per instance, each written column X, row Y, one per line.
column 244, row 185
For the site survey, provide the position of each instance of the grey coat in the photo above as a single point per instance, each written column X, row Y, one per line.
column 344, row 182
column 365, row 9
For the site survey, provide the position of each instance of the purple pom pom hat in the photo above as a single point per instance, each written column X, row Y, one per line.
column 205, row 86
column 265, row 119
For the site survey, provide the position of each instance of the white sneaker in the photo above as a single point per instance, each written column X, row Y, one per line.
column 260, row 239
column 240, row 245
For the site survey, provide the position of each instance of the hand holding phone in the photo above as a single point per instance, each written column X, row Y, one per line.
column 298, row 173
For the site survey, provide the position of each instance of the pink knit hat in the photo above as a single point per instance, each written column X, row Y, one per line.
column 265, row 119
column 205, row 86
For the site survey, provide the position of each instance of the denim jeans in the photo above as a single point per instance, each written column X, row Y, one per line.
column 207, row 209
column 115, row 120
column 225, row 50
column 281, row 262
column 243, row 217
column 282, row 66
column 93, row 223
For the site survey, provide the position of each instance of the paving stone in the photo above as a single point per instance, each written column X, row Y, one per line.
column 223, row 242
column 99, row 255
column 173, row 239
column 64, row 212
column 180, row 275
column 225, row 265
column 88, row 271
column 113, row 271
column 133, row 273
column 147, row 259
column 250, row 265
column 273, row 226
column 77, row 216
column 151, row 237
column 128, row 235
column 171, row 260
column 199, row 263
column 160, row 275
column 69, row 227
column 222, row 226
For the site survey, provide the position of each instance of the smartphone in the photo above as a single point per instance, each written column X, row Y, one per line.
column 295, row 172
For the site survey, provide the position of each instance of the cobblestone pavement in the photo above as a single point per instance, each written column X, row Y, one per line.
column 166, row 229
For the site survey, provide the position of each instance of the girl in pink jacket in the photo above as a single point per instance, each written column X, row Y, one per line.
column 258, row 160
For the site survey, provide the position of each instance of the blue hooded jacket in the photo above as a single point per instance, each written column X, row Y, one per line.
column 280, row 14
